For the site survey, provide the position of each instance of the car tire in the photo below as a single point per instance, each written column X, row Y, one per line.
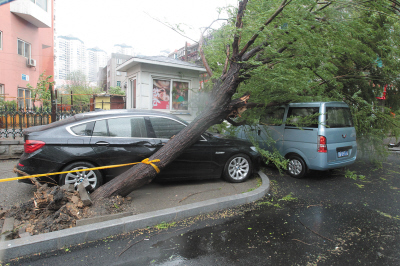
column 238, row 168
column 94, row 177
column 297, row 168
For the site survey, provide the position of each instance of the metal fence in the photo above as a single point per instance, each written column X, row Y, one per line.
column 13, row 121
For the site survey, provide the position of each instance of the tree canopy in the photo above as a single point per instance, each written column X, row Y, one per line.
column 288, row 50
column 78, row 85
column 319, row 51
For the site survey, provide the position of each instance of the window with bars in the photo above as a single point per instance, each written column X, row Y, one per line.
column 2, row 93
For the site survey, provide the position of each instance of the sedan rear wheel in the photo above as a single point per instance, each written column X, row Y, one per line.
column 237, row 168
column 93, row 176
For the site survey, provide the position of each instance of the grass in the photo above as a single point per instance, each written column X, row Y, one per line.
column 164, row 225
column 259, row 183
column 288, row 198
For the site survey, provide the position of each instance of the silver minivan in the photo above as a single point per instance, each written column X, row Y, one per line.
column 326, row 140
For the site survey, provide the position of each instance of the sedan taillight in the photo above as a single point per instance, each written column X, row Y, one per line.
column 322, row 144
column 33, row 145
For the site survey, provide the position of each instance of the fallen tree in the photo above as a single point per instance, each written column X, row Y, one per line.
column 261, row 51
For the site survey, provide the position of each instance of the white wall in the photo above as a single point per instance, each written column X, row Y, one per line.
column 145, row 73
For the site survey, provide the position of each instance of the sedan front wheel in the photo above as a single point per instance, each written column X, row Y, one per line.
column 237, row 168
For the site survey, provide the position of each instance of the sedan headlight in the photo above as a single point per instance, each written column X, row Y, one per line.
column 253, row 148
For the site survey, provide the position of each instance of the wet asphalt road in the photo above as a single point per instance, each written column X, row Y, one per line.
column 13, row 192
column 324, row 219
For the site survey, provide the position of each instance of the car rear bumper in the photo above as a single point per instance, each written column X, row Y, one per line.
column 31, row 170
column 321, row 162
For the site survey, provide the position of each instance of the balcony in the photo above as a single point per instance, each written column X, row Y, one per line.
column 32, row 13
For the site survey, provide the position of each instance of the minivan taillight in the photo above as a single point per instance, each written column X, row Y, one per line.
column 33, row 145
column 322, row 144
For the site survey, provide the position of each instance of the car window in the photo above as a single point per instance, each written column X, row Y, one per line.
column 338, row 117
column 127, row 127
column 303, row 117
column 272, row 117
column 85, row 129
column 165, row 128
column 100, row 128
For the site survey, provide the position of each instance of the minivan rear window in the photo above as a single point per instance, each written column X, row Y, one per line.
column 338, row 117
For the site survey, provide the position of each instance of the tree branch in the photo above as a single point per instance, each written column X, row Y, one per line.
column 171, row 28
column 202, row 56
column 255, row 36
column 234, row 123
column 246, row 106
column 226, row 62
column 239, row 25
column 325, row 6
column 254, row 51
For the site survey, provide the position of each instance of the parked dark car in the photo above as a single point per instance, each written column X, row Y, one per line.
column 125, row 136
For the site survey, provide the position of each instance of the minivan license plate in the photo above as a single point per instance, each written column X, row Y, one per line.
column 343, row 153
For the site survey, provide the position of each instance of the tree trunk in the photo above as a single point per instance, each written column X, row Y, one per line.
column 220, row 107
column 142, row 174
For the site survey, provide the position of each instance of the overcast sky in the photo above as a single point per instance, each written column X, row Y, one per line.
column 101, row 23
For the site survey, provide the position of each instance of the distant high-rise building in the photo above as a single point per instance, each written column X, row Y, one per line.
column 96, row 58
column 123, row 49
column 71, row 56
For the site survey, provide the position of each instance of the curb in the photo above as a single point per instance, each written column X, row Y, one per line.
column 81, row 234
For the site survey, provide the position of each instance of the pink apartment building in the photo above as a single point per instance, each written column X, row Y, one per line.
column 26, row 47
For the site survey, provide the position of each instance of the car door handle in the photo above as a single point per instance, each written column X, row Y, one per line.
column 102, row 143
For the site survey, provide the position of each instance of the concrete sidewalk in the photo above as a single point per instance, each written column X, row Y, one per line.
column 154, row 204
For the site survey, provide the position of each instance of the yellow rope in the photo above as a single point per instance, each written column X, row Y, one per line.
column 145, row 161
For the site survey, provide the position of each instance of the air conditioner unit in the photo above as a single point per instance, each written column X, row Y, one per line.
column 31, row 62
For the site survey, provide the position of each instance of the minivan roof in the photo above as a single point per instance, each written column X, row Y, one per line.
column 315, row 104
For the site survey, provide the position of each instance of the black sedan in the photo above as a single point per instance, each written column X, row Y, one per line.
column 125, row 136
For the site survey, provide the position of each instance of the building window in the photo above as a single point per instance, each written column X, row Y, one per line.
column 24, row 98
column 180, row 93
column 119, row 84
column 161, row 89
column 170, row 95
column 1, row 40
column 2, row 93
column 41, row 3
column 118, row 73
column 24, row 48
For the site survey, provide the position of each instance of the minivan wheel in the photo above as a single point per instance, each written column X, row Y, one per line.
column 238, row 168
column 93, row 176
column 297, row 168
